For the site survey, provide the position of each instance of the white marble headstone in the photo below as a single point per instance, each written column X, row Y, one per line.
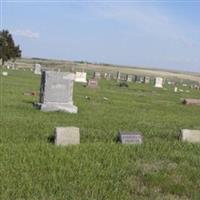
column 159, row 82
column 81, row 77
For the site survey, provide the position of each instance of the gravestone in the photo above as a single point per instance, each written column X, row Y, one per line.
column 81, row 77
column 142, row 78
column 67, row 136
column 175, row 89
column 56, row 92
column 97, row 75
column 159, row 82
column 130, row 138
column 192, row 136
column 122, row 77
column 191, row 101
column 38, row 69
column 118, row 75
column 129, row 78
column 109, row 75
column 5, row 73
column 137, row 79
column 92, row 83
column 147, row 79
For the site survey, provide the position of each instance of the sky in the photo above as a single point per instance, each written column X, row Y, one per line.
column 155, row 34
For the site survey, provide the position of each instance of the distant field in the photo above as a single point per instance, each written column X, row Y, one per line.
column 67, row 65
column 32, row 168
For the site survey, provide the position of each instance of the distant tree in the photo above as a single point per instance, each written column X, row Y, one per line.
column 8, row 49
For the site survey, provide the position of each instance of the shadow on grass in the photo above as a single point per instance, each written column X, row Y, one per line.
column 51, row 139
column 29, row 102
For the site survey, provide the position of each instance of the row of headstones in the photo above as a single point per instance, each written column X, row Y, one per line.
column 82, row 77
column 56, row 94
column 56, row 91
column 71, row 135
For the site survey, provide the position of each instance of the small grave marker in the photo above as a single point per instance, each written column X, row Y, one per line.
column 130, row 138
column 38, row 69
column 92, row 83
column 81, row 77
column 192, row 136
column 5, row 73
column 67, row 136
column 97, row 75
column 159, row 82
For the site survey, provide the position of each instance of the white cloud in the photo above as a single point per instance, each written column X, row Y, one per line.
column 26, row 33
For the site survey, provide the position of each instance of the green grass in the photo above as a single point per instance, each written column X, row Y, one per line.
column 99, row 168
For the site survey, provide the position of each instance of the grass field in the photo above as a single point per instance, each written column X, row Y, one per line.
column 32, row 168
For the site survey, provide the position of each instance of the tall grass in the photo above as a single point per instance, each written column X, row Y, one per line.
column 162, row 168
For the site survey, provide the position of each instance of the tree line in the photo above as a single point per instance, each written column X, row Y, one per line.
column 8, row 49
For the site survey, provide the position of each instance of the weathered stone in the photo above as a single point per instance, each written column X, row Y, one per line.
column 38, row 69
column 92, row 83
column 67, row 136
column 147, row 79
column 81, row 77
column 159, row 82
column 5, row 73
column 129, row 78
column 191, row 101
column 192, row 136
column 56, row 92
column 130, row 138
column 97, row 75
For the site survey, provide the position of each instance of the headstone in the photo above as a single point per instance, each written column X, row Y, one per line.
column 137, row 79
column 169, row 83
column 129, row 78
column 190, row 135
column 92, row 83
column 109, row 75
column 147, row 79
column 158, row 82
column 97, row 75
column 122, row 77
column 118, row 75
column 38, row 69
column 130, row 138
column 5, row 73
column 81, row 77
column 67, row 136
column 191, row 101
column 175, row 89
column 142, row 78
column 56, row 92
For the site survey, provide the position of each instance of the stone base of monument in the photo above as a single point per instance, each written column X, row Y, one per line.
column 64, row 107
column 67, row 136
column 192, row 136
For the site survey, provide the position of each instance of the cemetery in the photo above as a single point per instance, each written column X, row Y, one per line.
column 102, row 141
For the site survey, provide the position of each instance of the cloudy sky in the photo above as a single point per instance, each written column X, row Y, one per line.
column 160, row 34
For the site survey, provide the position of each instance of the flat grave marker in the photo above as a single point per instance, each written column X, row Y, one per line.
column 92, row 83
column 192, row 136
column 67, row 136
column 130, row 138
